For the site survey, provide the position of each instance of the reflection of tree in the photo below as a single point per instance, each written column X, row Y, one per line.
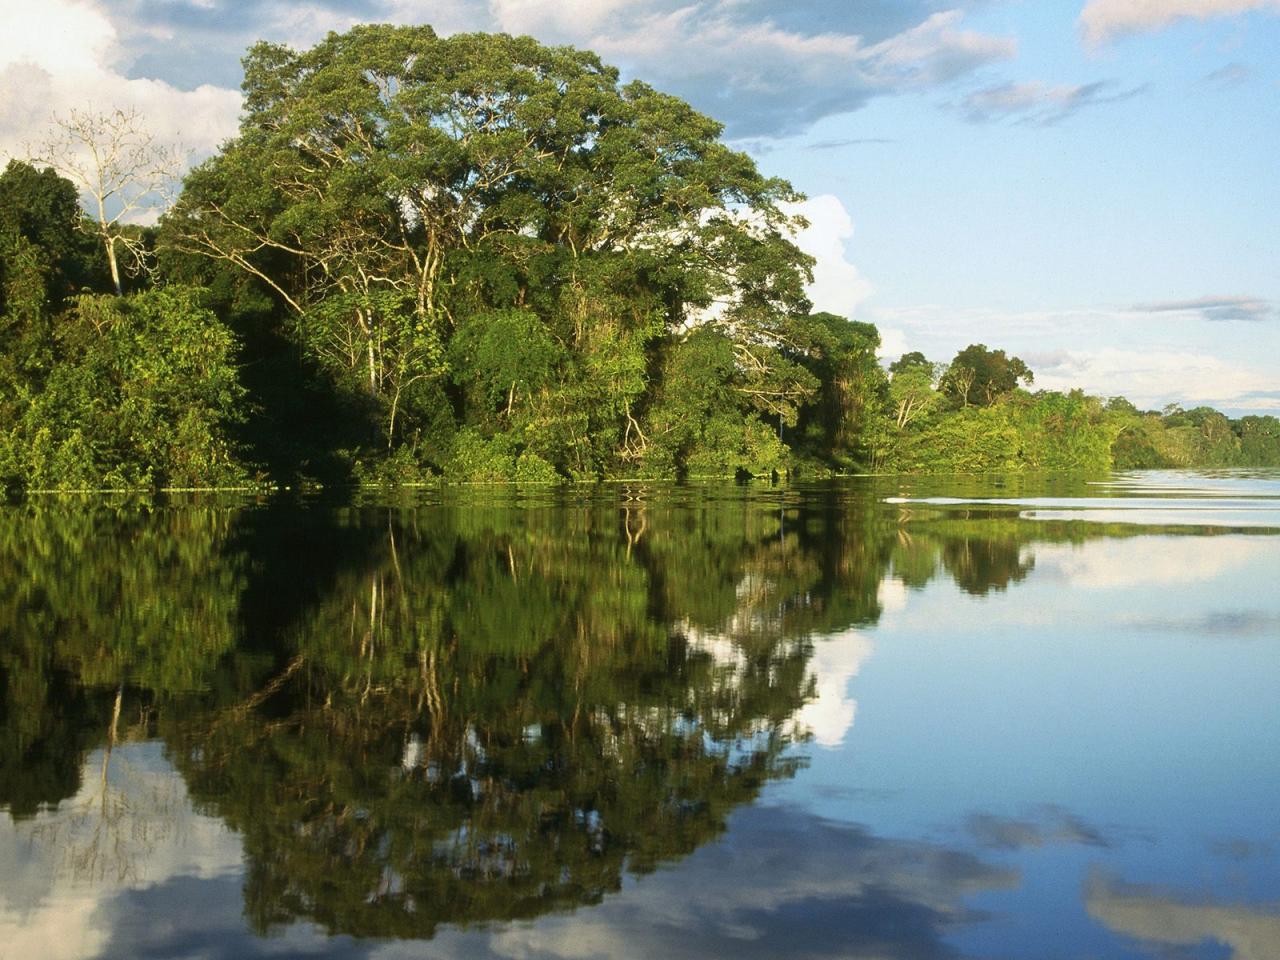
column 457, row 713
column 101, row 609
column 525, row 726
column 107, row 833
column 981, row 554
column 980, row 566
column 46, row 727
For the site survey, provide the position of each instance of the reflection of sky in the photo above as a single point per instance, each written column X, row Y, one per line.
column 1130, row 682
column 1236, row 499
column 63, row 869
column 835, row 662
column 1083, row 765
column 1074, row 681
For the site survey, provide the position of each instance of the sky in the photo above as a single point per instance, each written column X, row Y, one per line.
column 1088, row 184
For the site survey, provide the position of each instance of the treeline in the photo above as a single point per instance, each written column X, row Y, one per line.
column 973, row 416
column 481, row 258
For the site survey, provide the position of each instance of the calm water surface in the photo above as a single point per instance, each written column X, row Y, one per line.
column 890, row 719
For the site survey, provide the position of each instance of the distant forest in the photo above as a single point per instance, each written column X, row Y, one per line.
column 478, row 258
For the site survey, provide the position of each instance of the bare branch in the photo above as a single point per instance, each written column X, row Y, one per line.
column 122, row 172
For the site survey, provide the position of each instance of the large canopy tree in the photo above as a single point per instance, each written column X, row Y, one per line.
column 979, row 376
column 391, row 187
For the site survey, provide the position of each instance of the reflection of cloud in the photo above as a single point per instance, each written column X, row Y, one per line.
column 1240, row 849
column 1053, row 825
column 835, row 662
column 1161, row 918
column 58, row 929
column 62, row 866
column 892, row 595
column 1223, row 623
column 859, row 896
column 189, row 917
column 1121, row 564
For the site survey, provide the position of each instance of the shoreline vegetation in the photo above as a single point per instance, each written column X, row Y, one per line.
column 433, row 260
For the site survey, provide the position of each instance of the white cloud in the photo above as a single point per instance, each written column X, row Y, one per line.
column 1039, row 103
column 838, row 287
column 1154, row 378
column 935, row 51
column 64, row 54
column 60, row 37
column 893, row 343
column 1102, row 20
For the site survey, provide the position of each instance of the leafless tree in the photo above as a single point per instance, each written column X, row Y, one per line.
column 123, row 170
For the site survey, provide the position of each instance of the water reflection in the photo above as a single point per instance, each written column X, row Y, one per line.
column 1166, row 920
column 411, row 721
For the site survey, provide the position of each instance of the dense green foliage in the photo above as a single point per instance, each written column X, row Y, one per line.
column 138, row 391
column 495, row 251
column 102, row 391
column 485, row 259
column 938, row 421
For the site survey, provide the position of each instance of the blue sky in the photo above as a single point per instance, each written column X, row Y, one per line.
column 1087, row 183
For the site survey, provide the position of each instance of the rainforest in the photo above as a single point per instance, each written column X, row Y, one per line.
column 480, row 258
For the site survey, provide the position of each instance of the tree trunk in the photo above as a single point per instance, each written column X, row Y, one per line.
column 108, row 243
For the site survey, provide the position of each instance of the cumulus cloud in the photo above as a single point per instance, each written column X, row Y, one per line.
column 838, row 287
column 1038, row 103
column 1215, row 308
column 1103, row 20
column 761, row 70
column 67, row 54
